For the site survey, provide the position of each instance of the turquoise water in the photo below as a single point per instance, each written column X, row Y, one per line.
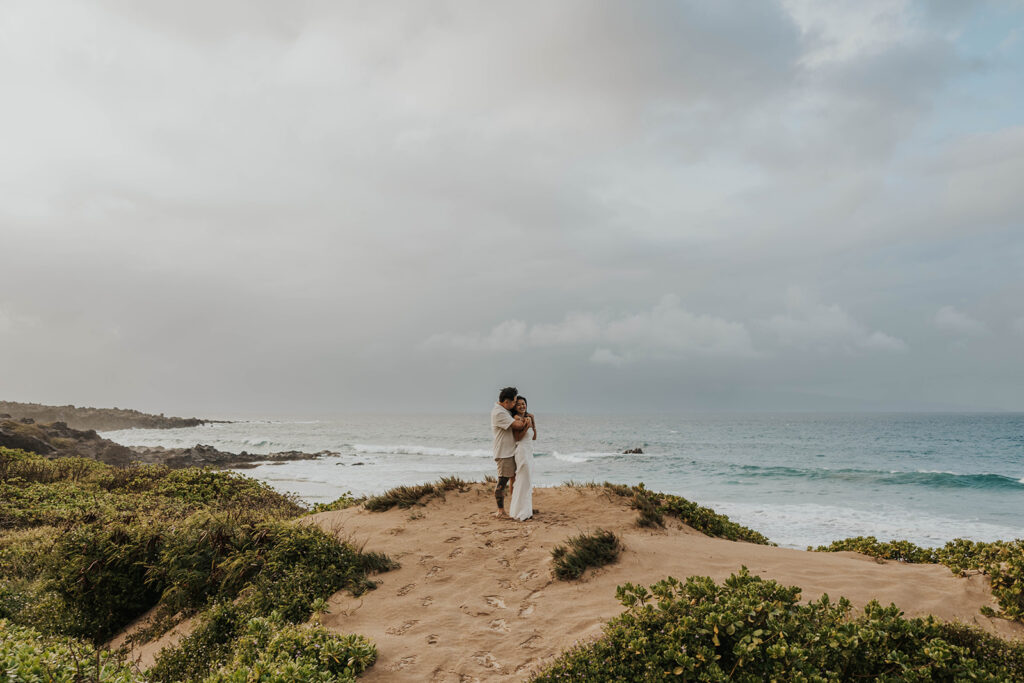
column 798, row 478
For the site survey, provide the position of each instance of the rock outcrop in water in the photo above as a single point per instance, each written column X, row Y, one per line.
column 201, row 456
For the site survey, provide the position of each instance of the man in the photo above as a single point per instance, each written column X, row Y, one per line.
column 503, row 425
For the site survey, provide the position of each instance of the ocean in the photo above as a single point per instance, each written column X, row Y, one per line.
column 800, row 479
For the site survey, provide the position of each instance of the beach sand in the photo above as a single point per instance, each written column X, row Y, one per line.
column 475, row 598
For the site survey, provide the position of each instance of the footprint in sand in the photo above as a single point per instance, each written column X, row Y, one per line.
column 527, row 609
column 404, row 590
column 452, row 539
column 531, row 642
column 425, row 558
column 402, row 663
column 401, row 630
column 503, row 561
column 526, row 576
column 498, row 625
column 432, row 639
column 455, row 553
column 434, row 571
column 427, row 601
column 495, row 601
column 486, row 660
column 526, row 666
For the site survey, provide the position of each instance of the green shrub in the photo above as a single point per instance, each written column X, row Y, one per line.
column 902, row 551
column 271, row 651
column 26, row 655
column 654, row 507
column 263, row 568
column 345, row 501
column 407, row 496
column 207, row 647
column 304, row 564
column 751, row 629
column 584, row 551
column 99, row 572
column 650, row 513
column 200, row 488
column 1003, row 561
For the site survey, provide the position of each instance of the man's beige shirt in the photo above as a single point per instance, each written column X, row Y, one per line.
column 504, row 441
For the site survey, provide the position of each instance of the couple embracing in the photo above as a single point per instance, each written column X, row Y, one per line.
column 513, row 451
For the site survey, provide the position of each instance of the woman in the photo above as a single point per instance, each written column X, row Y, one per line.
column 521, row 505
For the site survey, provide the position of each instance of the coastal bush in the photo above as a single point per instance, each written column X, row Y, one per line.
column 85, row 548
column 29, row 467
column 99, row 572
column 304, row 564
column 654, row 507
column 269, row 650
column 198, row 488
column 27, row 655
column 294, row 572
column 407, row 496
column 650, row 514
column 343, row 502
column 1002, row 561
column 254, row 570
column 206, row 648
column 752, row 629
column 581, row 552
column 283, row 566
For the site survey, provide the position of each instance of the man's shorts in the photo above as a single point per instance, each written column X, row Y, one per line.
column 506, row 467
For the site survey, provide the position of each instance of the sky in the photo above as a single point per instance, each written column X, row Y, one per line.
column 328, row 207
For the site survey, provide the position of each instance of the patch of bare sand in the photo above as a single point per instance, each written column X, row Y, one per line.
column 143, row 655
column 475, row 599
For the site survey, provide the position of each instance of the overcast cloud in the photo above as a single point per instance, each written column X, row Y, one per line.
column 316, row 207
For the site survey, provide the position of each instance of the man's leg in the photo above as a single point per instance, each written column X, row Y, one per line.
column 499, row 494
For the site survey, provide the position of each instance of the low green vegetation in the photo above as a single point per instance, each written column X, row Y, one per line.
column 86, row 548
column 407, row 496
column 653, row 507
column 752, row 629
column 269, row 650
column 28, row 655
column 1002, row 561
column 343, row 502
column 581, row 552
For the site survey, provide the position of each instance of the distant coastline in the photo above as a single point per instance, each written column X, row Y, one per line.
column 69, row 431
column 99, row 419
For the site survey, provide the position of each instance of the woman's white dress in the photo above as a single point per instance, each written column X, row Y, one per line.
column 521, row 505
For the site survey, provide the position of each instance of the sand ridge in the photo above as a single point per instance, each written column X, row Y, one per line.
column 475, row 599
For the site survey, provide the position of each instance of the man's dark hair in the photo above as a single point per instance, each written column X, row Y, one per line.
column 508, row 394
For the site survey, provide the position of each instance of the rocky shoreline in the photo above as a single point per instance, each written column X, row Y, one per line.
column 58, row 440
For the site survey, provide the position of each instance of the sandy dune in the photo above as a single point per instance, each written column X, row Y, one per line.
column 475, row 599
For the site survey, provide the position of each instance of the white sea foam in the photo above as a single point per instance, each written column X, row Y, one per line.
column 422, row 450
column 585, row 456
column 802, row 525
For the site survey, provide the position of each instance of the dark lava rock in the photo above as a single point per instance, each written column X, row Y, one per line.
column 202, row 455
column 15, row 438
column 633, row 451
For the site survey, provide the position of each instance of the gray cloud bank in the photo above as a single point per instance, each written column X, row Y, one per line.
column 334, row 206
